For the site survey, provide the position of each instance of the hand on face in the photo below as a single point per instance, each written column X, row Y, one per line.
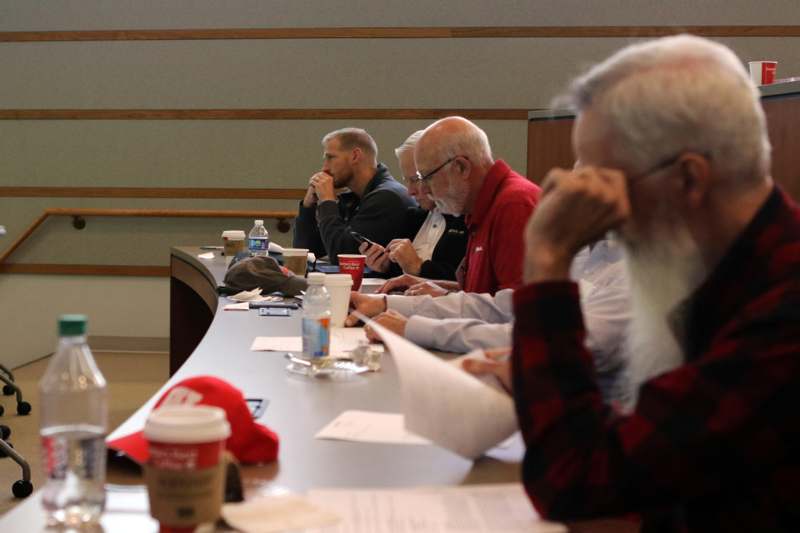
column 577, row 208
column 391, row 320
column 426, row 287
column 322, row 183
column 402, row 252
column 366, row 304
column 496, row 362
column 310, row 199
column 377, row 258
column 400, row 283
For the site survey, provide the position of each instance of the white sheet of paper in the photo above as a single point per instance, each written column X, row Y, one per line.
column 268, row 514
column 369, row 426
column 277, row 344
column 207, row 255
column 343, row 341
column 443, row 403
column 500, row 508
column 241, row 306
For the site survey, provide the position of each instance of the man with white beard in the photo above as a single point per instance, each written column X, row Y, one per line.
column 675, row 160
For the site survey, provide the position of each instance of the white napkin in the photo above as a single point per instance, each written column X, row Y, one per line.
column 267, row 514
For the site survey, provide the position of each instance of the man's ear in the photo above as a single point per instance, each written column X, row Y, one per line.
column 356, row 155
column 696, row 178
column 463, row 165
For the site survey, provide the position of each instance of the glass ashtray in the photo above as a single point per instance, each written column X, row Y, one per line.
column 327, row 368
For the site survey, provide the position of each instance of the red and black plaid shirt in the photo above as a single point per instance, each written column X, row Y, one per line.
column 713, row 445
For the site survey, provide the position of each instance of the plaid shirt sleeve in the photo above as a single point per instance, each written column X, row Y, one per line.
column 724, row 422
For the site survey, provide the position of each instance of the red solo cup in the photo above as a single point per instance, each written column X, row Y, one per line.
column 353, row 264
column 185, row 472
column 763, row 72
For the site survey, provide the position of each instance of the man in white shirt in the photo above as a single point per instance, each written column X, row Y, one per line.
column 461, row 321
column 440, row 241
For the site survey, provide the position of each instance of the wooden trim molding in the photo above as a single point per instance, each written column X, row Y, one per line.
column 151, row 192
column 422, row 32
column 262, row 114
column 85, row 270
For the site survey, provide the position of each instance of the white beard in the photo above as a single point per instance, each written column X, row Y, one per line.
column 663, row 271
column 455, row 201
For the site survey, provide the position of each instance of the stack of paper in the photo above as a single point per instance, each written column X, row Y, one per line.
column 343, row 341
column 501, row 508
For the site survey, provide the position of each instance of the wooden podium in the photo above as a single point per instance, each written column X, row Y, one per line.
column 549, row 137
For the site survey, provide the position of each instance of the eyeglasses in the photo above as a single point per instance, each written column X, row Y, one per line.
column 427, row 177
column 664, row 164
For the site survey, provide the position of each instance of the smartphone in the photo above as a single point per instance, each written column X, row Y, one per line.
column 273, row 311
column 360, row 238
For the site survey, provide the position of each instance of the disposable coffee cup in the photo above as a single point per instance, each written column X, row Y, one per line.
column 233, row 242
column 296, row 260
column 763, row 72
column 353, row 264
column 185, row 474
column 339, row 286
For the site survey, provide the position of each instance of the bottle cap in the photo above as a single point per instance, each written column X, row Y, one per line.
column 259, row 222
column 71, row 325
column 316, row 278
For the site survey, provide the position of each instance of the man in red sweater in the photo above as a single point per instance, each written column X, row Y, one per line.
column 456, row 167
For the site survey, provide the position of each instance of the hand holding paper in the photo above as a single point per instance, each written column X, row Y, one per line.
column 445, row 404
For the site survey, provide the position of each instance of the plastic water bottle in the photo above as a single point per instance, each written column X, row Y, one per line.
column 258, row 240
column 316, row 318
column 74, row 413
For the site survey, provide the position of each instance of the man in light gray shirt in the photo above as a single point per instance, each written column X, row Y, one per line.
column 460, row 322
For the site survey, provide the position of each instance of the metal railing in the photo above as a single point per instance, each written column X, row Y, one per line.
column 79, row 216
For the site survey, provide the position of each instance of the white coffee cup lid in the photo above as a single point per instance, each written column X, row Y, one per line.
column 187, row 424
column 295, row 252
column 338, row 280
column 233, row 235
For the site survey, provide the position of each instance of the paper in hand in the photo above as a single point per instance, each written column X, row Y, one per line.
column 445, row 404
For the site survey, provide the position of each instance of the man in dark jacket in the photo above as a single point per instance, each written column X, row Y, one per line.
column 374, row 207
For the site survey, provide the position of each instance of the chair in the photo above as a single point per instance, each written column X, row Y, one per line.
column 21, row 488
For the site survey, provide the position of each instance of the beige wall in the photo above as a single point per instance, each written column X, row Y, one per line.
column 389, row 73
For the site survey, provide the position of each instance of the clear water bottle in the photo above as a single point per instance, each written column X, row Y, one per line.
column 258, row 240
column 316, row 318
column 74, row 412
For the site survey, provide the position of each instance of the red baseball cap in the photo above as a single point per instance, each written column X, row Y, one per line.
column 249, row 442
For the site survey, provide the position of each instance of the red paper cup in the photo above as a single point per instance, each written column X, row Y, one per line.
column 353, row 264
column 185, row 474
column 763, row 72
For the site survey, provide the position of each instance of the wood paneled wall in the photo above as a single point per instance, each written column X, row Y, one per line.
column 549, row 142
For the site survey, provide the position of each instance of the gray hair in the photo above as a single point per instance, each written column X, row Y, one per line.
column 408, row 144
column 350, row 138
column 678, row 93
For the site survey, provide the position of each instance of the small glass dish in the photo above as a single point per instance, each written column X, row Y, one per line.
column 327, row 368
column 368, row 355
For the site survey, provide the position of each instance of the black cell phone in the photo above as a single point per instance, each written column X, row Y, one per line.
column 273, row 311
column 264, row 304
column 360, row 238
